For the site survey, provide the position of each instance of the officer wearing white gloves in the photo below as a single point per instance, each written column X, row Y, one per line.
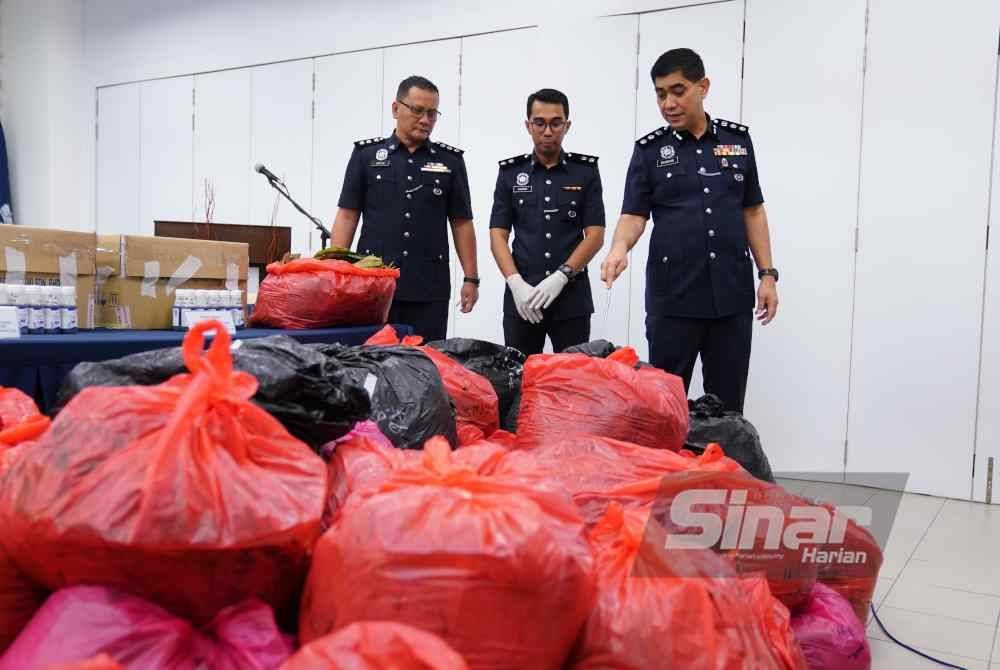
column 553, row 202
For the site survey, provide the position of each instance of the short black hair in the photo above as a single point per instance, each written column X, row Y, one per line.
column 551, row 96
column 687, row 61
column 416, row 81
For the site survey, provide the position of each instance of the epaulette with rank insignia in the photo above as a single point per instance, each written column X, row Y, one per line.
column 514, row 160
column 652, row 135
column 582, row 158
column 731, row 125
column 448, row 147
column 364, row 143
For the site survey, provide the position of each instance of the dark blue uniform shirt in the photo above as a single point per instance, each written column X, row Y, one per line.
column 548, row 210
column 405, row 202
column 699, row 265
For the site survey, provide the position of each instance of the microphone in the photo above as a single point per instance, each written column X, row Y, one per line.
column 259, row 167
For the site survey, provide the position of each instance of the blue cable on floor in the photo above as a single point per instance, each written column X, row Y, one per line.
column 908, row 647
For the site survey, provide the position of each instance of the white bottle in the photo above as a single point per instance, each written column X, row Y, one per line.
column 52, row 297
column 36, row 310
column 19, row 298
column 177, row 311
column 236, row 305
column 67, row 313
column 200, row 303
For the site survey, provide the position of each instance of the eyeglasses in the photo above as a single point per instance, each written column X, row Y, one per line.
column 432, row 114
column 555, row 124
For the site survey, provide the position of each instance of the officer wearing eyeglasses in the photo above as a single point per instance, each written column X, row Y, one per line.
column 405, row 189
column 698, row 178
column 552, row 200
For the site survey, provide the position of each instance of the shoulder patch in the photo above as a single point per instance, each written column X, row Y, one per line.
column 448, row 147
column 514, row 160
column 733, row 126
column 582, row 158
column 651, row 135
column 364, row 143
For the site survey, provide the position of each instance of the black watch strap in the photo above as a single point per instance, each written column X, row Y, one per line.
column 768, row 272
column 471, row 280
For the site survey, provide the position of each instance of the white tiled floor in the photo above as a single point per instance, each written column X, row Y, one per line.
column 939, row 587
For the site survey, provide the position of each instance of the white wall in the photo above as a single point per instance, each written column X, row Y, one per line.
column 855, row 374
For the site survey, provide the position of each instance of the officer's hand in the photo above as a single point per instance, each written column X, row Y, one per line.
column 548, row 290
column 522, row 291
column 470, row 296
column 767, row 301
column 614, row 264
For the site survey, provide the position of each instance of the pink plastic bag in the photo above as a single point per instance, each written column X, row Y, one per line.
column 829, row 633
column 79, row 623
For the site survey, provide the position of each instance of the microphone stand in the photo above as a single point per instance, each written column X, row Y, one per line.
column 324, row 233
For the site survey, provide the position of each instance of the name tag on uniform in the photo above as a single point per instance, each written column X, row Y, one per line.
column 730, row 150
column 440, row 168
column 377, row 163
column 667, row 162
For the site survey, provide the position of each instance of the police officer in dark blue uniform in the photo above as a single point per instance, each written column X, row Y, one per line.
column 698, row 178
column 553, row 202
column 407, row 188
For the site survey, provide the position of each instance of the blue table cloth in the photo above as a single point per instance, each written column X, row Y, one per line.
column 37, row 364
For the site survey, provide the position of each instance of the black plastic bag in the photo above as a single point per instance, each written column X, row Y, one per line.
column 503, row 366
column 596, row 348
column 408, row 399
column 737, row 436
column 310, row 394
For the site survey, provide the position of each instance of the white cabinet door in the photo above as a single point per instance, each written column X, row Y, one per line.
column 716, row 32
column 222, row 145
column 799, row 370
column 988, row 429
column 281, row 127
column 166, row 188
column 118, row 159
column 919, row 274
column 349, row 107
column 492, row 119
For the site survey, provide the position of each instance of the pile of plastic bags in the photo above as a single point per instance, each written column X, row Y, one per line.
column 276, row 506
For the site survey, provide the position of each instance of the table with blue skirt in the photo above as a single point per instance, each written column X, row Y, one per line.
column 37, row 364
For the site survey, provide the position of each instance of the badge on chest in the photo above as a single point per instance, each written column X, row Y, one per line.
column 381, row 158
column 730, row 150
column 668, row 156
column 521, row 183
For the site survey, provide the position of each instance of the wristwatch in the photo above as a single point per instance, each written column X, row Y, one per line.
column 568, row 271
column 768, row 272
column 471, row 280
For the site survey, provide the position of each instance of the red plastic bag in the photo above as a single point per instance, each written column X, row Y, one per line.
column 748, row 521
column 185, row 493
column 774, row 619
column 377, row 645
column 310, row 293
column 362, row 460
column 563, row 394
column 20, row 419
column 79, row 623
column 598, row 470
column 668, row 609
column 477, row 407
column 830, row 635
column 854, row 581
column 495, row 567
column 20, row 598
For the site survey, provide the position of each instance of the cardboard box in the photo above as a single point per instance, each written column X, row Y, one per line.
column 48, row 256
column 137, row 276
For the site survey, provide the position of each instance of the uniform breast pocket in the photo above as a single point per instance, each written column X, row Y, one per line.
column 570, row 206
column 435, row 184
column 735, row 176
column 670, row 184
column 524, row 205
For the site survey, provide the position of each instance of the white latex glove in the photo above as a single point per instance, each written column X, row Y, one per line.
column 522, row 291
column 548, row 290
